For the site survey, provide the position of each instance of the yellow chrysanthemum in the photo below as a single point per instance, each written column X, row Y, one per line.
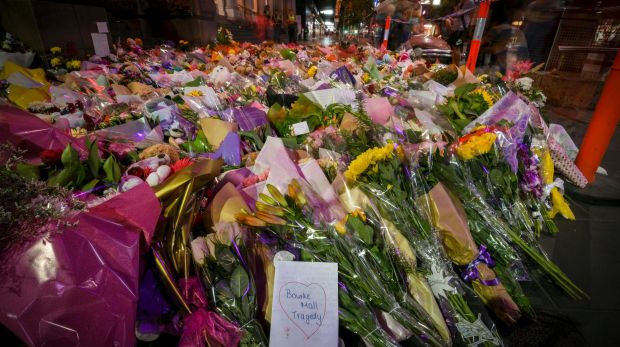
column 78, row 132
column 55, row 62
column 312, row 71
column 194, row 92
column 55, row 50
column 368, row 159
column 476, row 145
column 365, row 77
column 74, row 64
column 485, row 95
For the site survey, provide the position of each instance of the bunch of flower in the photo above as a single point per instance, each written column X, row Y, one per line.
column 224, row 36
column 221, row 258
column 11, row 44
column 73, row 65
column 380, row 174
column 517, row 79
column 56, row 61
column 468, row 103
column 291, row 218
column 29, row 208
column 489, row 188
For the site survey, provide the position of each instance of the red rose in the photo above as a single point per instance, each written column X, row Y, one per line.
column 50, row 156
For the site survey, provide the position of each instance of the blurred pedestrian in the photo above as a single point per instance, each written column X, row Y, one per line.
column 458, row 27
column 267, row 11
column 292, row 27
column 277, row 27
column 504, row 44
column 541, row 18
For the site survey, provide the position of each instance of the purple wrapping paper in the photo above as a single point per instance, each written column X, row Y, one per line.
column 343, row 75
column 230, row 150
column 80, row 287
column 248, row 118
column 26, row 131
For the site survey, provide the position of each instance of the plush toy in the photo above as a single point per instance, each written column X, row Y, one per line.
column 220, row 75
column 153, row 170
column 161, row 148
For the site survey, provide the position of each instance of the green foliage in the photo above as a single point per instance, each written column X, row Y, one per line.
column 464, row 106
column 239, row 281
column 445, row 76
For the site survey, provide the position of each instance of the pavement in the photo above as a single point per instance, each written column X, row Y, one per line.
column 586, row 250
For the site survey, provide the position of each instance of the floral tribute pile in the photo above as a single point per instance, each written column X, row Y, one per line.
column 148, row 192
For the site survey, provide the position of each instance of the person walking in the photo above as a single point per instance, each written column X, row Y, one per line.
column 458, row 27
column 292, row 27
column 266, row 21
column 277, row 27
column 503, row 43
column 541, row 21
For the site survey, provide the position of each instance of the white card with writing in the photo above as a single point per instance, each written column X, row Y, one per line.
column 101, row 45
column 102, row 27
column 300, row 128
column 305, row 305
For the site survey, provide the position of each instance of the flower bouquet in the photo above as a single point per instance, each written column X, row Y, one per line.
column 290, row 218
column 474, row 193
column 380, row 174
column 221, row 259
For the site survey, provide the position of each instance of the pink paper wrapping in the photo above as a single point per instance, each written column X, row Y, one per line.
column 26, row 131
column 80, row 287
column 379, row 109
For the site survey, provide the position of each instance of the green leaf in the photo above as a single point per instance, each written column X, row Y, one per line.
column 199, row 81
column 222, row 290
column 464, row 89
column 64, row 177
column 28, row 171
column 362, row 230
column 287, row 54
column 94, row 162
column 198, row 145
column 90, row 185
column 225, row 258
column 112, row 170
column 239, row 281
column 303, row 108
column 497, row 177
column 70, row 157
column 81, row 176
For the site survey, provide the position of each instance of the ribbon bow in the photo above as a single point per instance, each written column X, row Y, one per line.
column 471, row 271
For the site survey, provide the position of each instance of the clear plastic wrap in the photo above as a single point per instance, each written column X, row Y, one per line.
column 490, row 228
column 291, row 217
column 229, row 282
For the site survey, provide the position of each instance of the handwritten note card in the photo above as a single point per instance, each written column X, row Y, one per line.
column 102, row 27
column 100, row 43
column 305, row 305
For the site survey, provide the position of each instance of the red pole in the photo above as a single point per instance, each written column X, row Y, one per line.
column 386, row 33
column 481, row 19
column 602, row 126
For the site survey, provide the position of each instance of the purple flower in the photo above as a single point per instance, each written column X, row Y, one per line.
column 529, row 180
